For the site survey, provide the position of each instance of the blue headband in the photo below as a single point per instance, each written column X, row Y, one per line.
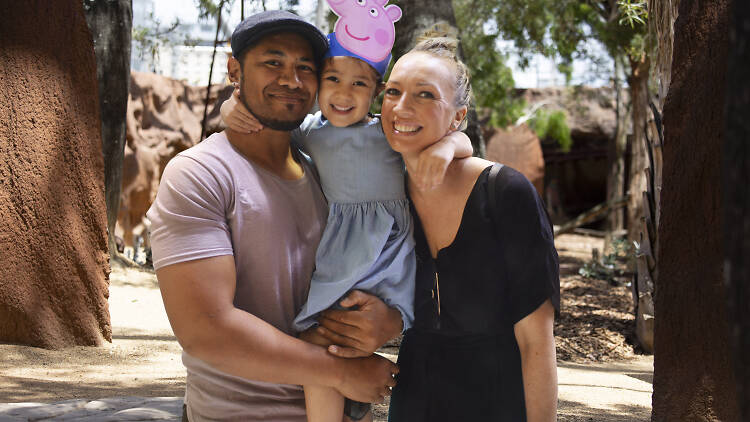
column 336, row 50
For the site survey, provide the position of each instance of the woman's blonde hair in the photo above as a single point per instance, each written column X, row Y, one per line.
column 440, row 41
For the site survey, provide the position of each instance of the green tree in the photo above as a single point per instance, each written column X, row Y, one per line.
column 491, row 79
column 559, row 29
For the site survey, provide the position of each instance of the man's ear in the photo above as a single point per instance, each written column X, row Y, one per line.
column 234, row 70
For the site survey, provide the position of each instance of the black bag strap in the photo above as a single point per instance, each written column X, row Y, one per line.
column 492, row 182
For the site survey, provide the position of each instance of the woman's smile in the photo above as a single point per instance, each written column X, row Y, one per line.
column 406, row 128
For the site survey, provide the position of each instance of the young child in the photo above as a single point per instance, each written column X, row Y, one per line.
column 367, row 243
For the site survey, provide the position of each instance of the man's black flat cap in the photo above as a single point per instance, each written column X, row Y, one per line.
column 257, row 26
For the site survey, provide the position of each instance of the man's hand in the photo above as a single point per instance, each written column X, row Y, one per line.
column 369, row 379
column 361, row 331
column 237, row 117
column 311, row 335
column 434, row 160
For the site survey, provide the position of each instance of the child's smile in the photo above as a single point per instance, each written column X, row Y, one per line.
column 347, row 88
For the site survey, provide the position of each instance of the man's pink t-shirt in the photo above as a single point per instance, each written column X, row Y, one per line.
column 213, row 201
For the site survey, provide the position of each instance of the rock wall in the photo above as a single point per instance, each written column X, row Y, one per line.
column 575, row 181
column 590, row 111
column 164, row 112
column 164, row 118
column 519, row 148
column 53, row 265
column 693, row 377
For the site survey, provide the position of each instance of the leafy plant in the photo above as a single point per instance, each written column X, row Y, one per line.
column 491, row 79
column 148, row 39
column 554, row 126
column 611, row 265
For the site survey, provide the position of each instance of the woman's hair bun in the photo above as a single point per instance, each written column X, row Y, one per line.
column 441, row 40
column 442, row 36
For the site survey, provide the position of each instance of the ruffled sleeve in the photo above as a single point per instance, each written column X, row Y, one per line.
column 529, row 254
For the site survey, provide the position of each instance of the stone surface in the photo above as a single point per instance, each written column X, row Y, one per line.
column 53, row 264
column 114, row 409
column 164, row 118
column 575, row 181
column 519, row 148
column 590, row 111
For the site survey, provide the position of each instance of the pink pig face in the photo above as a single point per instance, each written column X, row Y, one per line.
column 365, row 27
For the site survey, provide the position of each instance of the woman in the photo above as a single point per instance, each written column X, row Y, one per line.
column 487, row 286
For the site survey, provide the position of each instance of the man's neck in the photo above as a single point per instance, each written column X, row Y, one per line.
column 269, row 149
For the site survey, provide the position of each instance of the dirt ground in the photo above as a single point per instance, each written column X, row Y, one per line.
column 602, row 376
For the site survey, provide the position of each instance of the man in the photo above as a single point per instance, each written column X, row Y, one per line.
column 235, row 226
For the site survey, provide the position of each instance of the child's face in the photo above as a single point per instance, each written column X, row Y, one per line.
column 347, row 88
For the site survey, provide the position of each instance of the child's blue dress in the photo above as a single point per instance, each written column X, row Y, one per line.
column 368, row 242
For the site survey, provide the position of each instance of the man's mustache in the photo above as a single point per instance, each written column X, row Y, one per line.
column 289, row 93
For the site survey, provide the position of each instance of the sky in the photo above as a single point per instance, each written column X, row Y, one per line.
column 541, row 72
column 186, row 10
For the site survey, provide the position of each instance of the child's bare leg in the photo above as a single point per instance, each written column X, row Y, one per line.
column 323, row 404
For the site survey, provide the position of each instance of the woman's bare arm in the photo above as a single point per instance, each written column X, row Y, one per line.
column 536, row 342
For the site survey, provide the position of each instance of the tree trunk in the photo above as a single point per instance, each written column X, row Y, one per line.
column 616, row 176
column 693, row 374
column 110, row 23
column 735, row 182
column 418, row 16
column 638, row 82
column 53, row 238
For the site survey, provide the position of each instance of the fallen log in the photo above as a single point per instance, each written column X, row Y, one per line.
column 596, row 213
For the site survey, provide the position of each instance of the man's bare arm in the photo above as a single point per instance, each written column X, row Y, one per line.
column 198, row 296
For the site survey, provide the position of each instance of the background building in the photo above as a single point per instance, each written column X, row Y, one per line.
column 181, row 52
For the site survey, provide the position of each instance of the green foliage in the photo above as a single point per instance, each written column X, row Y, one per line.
column 554, row 28
column 491, row 80
column 613, row 264
column 552, row 126
column 558, row 28
column 633, row 13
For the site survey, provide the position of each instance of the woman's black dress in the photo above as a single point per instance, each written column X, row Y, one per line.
column 460, row 361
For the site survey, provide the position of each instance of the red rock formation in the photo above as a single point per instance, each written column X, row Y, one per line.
column 574, row 181
column 53, row 265
column 164, row 118
column 519, row 148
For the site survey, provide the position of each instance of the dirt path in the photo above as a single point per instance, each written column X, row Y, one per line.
column 144, row 357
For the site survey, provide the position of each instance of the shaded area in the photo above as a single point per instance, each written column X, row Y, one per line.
column 579, row 412
column 19, row 389
column 596, row 322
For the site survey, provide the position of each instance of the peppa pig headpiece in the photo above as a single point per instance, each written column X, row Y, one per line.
column 364, row 30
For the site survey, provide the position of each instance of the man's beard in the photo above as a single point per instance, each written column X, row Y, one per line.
column 275, row 124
